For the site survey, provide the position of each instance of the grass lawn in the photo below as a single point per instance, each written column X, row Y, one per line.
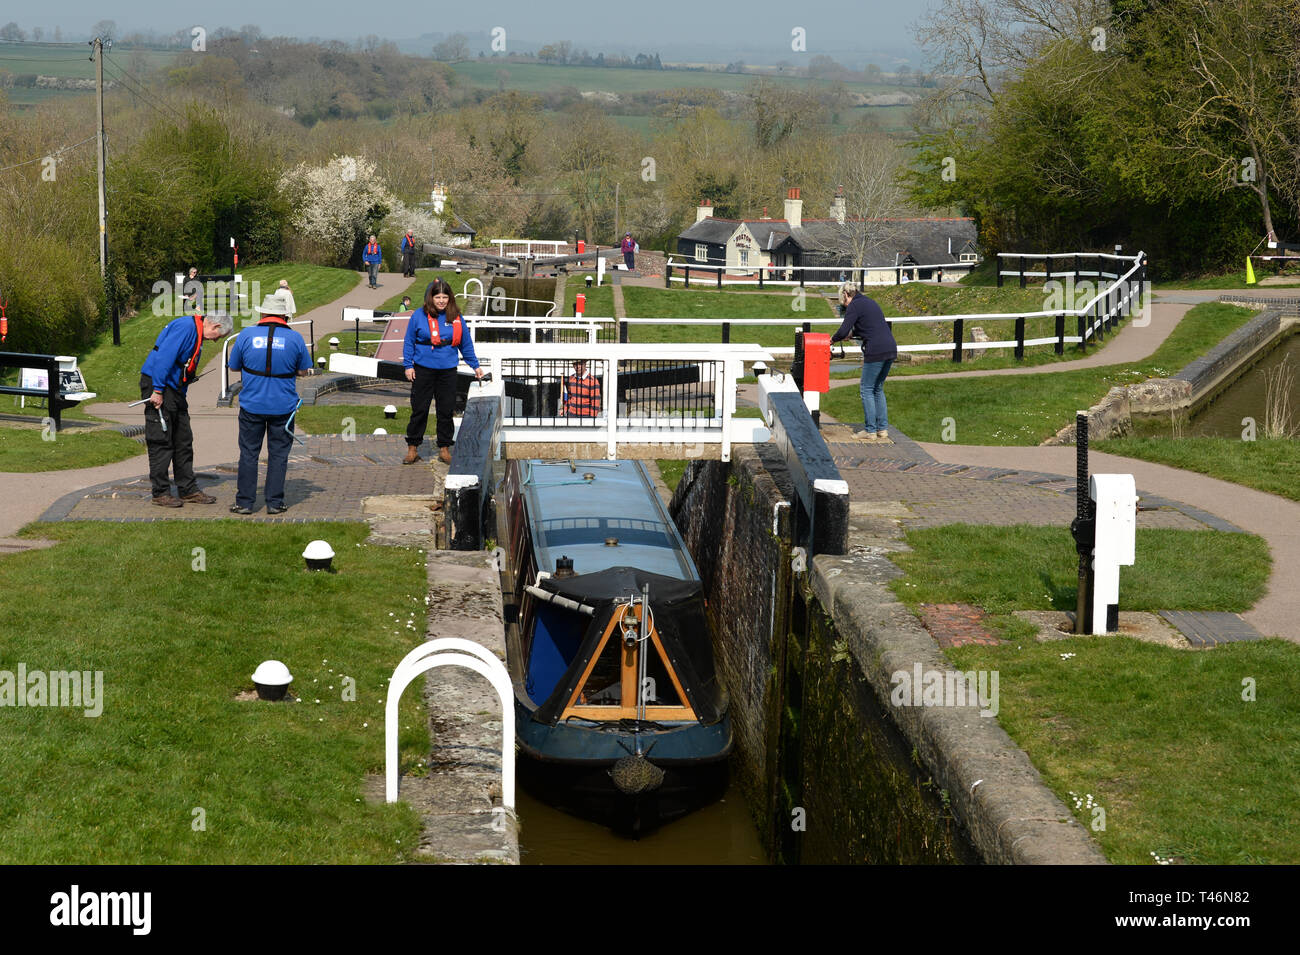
column 645, row 302
column 23, row 449
column 277, row 783
column 1028, row 409
column 1230, row 281
column 600, row 301
column 113, row 372
column 1266, row 464
column 331, row 419
column 1160, row 738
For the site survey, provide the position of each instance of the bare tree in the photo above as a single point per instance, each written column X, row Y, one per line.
column 1235, row 120
column 873, row 201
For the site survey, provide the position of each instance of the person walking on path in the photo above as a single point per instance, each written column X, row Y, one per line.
column 408, row 255
column 629, row 251
column 164, row 379
column 863, row 319
column 373, row 258
column 288, row 294
column 270, row 355
column 436, row 338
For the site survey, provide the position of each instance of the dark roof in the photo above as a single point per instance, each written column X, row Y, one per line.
column 709, row 229
column 926, row 239
column 461, row 227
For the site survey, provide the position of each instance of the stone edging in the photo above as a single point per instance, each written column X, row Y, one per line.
column 995, row 791
column 1113, row 415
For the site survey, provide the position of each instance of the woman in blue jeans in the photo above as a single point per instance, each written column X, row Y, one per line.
column 863, row 319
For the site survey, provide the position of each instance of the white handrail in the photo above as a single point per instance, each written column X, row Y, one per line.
column 451, row 651
column 225, row 345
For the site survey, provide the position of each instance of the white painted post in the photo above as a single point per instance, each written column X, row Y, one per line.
column 451, row 651
column 610, row 403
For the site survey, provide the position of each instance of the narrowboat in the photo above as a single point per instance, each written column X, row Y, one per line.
column 621, row 718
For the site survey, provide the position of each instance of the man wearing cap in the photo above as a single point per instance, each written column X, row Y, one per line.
column 629, row 251
column 270, row 354
column 165, row 377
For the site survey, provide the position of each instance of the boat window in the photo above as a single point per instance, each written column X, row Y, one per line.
column 604, row 686
column 659, row 685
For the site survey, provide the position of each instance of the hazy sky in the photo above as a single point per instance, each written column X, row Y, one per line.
column 832, row 26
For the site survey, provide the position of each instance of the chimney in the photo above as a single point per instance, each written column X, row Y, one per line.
column 794, row 209
column 704, row 211
column 765, row 215
column 838, row 206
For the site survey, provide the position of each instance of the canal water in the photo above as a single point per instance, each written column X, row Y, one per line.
column 1244, row 398
column 720, row 834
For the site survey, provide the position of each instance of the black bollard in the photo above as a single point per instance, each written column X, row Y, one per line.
column 1084, row 526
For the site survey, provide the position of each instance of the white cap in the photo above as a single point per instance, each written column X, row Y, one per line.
column 272, row 673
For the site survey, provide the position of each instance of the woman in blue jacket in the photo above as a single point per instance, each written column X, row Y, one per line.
column 436, row 338
column 373, row 258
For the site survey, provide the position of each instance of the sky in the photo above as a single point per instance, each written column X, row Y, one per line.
column 677, row 29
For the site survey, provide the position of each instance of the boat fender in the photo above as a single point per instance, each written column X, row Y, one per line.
column 635, row 774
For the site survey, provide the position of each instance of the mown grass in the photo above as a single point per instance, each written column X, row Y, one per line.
column 1028, row 409
column 277, row 783
column 1266, row 464
column 1162, row 739
column 24, row 449
column 113, row 372
column 333, row 419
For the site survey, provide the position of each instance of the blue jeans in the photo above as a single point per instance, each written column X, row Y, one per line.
column 252, row 429
column 874, row 413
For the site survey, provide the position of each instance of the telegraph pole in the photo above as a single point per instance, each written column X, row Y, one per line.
column 98, row 44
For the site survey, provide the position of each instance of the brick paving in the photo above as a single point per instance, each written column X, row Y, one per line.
column 328, row 480
column 938, row 493
column 956, row 625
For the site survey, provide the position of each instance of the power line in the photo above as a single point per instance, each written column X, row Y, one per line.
column 138, row 89
column 60, row 150
column 41, row 59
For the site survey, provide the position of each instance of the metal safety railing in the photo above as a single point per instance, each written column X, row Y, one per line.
column 719, row 275
column 226, row 394
column 623, row 394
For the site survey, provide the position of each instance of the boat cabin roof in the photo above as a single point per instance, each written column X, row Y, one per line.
column 572, row 517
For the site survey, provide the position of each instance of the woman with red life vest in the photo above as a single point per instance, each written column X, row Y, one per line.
column 436, row 338
column 373, row 258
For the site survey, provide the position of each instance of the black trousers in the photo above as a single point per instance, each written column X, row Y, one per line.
column 171, row 449
column 408, row 262
column 439, row 386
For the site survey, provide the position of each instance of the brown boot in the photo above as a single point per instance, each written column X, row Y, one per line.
column 412, row 454
column 444, row 455
column 167, row 500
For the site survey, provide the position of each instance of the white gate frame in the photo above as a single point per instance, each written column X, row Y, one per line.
column 451, row 651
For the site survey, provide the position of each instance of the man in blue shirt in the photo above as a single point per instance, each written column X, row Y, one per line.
column 164, row 380
column 270, row 354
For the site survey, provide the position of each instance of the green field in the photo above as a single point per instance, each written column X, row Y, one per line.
column 26, row 450
column 539, row 77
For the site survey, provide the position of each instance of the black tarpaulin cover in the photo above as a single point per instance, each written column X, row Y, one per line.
column 678, row 609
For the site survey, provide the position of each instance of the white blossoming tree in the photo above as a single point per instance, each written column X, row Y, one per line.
column 335, row 206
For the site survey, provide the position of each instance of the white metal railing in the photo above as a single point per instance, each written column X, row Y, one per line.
column 1048, row 257
column 225, row 347
column 805, row 275
column 524, row 248
column 453, row 651
column 706, row 375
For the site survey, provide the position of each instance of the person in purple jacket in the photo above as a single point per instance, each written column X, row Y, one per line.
column 436, row 338
column 372, row 257
column 629, row 251
column 863, row 319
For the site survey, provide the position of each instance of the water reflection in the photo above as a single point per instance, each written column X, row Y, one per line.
column 720, row 834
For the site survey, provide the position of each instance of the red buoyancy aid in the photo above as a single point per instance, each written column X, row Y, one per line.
column 435, row 339
column 372, row 248
column 187, row 373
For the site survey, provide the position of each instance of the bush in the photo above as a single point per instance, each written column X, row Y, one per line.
column 54, row 295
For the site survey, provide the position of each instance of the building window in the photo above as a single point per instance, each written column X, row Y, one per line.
column 701, row 252
column 744, row 258
column 968, row 257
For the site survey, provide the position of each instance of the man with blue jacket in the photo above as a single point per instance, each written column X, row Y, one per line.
column 270, row 355
column 165, row 377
